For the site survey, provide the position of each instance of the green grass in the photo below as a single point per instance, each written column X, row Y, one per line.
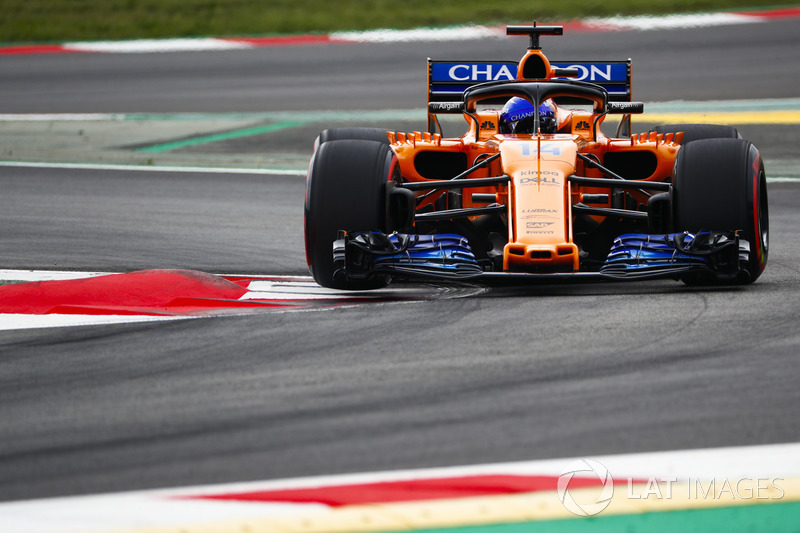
column 66, row 20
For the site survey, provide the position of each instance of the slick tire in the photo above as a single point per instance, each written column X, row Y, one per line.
column 719, row 184
column 343, row 134
column 696, row 132
column 345, row 190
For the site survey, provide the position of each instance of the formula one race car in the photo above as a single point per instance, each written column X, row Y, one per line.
column 534, row 190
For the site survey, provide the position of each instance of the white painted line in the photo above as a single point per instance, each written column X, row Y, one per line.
column 457, row 33
column 60, row 117
column 309, row 290
column 140, row 46
column 156, row 168
column 784, row 180
column 99, row 513
column 10, row 321
column 291, row 293
column 47, row 275
column 669, row 22
column 281, row 290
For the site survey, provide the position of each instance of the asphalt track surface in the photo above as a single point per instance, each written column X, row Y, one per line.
column 513, row 374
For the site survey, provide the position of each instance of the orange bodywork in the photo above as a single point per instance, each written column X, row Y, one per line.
column 539, row 196
column 541, row 231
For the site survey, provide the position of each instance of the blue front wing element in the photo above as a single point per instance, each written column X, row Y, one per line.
column 443, row 256
column 639, row 255
column 710, row 254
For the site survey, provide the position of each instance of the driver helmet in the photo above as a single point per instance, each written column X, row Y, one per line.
column 518, row 114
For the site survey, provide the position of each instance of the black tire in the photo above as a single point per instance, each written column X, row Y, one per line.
column 696, row 132
column 342, row 134
column 719, row 184
column 345, row 190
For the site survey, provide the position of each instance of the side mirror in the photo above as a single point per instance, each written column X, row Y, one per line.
column 625, row 108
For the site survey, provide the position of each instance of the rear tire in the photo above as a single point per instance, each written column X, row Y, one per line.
column 345, row 190
column 343, row 134
column 696, row 132
column 720, row 185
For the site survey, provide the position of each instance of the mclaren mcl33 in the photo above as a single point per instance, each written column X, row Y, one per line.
column 534, row 189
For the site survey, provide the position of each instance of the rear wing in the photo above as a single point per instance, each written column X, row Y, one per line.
column 447, row 80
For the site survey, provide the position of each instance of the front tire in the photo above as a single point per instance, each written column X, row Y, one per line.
column 720, row 185
column 345, row 190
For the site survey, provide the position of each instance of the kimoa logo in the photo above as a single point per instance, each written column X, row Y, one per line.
column 538, row 173
column 582, row 126
column 586, row 468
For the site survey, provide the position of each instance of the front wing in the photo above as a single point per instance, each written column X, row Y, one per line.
column 712, row 254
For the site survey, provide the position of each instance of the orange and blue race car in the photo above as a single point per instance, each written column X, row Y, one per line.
column 534, row 190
